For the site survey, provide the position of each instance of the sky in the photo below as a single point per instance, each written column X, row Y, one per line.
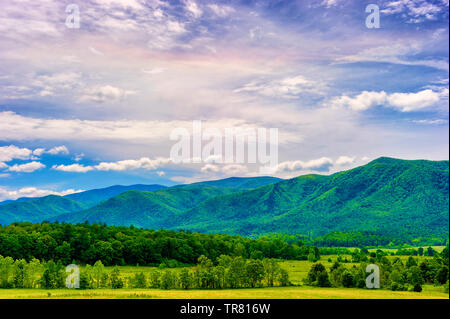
column 95, row 105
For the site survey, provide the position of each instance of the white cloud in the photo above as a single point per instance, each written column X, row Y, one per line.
column 144, row 163
column 27, row 167
column 176, row 27
column 322, row 164
column 8, row 153
column 408, row 102
column 221, row 10
column 58, row 150
column 79, row 157
column 288, row 88
column 6, row 194
column 76, row 168
column 3, row 165
column 361, row 102
column 234, row 169
column 106, row 93
column 153, row 71
column 415, row 10
column 345, row 160
column 404, row 102
column 210, row 168
column 160, row 173
column 396, row 54
column 330, row 3
column 431, row 122
column 18, row 127
column 193, row 8
column 39, row 151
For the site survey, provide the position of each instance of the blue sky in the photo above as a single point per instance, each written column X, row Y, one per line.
column 94, row 106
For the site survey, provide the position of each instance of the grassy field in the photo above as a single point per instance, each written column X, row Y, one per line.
column 429, row 292
column 298, row 270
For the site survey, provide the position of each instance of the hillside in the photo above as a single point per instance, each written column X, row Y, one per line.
column 37, row 210
column 400, row 198
column 176, row 199
column 95, row 196
column 146, row 209
column 394, row 197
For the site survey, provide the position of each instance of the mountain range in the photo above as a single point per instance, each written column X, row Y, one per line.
column 399, row 198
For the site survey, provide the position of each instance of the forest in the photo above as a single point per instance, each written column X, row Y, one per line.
column 86, row 244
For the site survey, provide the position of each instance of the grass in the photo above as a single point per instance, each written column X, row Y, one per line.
column 429, row 292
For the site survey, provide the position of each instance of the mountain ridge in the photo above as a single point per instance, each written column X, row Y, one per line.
column 403, row 198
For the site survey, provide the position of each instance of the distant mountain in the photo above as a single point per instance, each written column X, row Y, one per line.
column 391, row 196
column 161, row 207
column 398, row 198
column 21, row 199
column 240, row 183
column 174, row 199
column 395, row 197
column 38, row 210
column 96, row 196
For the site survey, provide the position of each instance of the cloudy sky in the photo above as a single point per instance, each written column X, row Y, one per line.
column 94, row 106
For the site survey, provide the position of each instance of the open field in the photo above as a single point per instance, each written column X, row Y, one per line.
column 429, row 292
column 297, row 270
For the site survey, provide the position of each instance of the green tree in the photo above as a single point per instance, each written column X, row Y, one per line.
column 139, row 280
column 184, row 278
column 283, row 277
column 442, row 275
column 98, row 273
column 255, row 272
column 271, row 268
column 347, row 279
column 168, row 280
column 116, row 281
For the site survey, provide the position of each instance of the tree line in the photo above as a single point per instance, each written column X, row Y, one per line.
column 226, row 272
column 395, row 275
column 85, row 244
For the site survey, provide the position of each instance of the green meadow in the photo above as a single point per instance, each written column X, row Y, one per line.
column 297, row 270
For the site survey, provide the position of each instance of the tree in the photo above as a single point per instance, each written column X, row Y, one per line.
column 420, row 251
column 155, row 276
column 98, row 273
column 415, row 276
column 283, row 277
column 442, row 275
column 255, row 272
column 271, row 268
column 347, row 279
column 257, row 254
column 236, row 275
column 139, row 280
column 411, row 262
column 184, row 278
column 318, row 276
column 167, row 279
column 20, row 274
column 116, row 281
column 6, row 271
column 53, row 276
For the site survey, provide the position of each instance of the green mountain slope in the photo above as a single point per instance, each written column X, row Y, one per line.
column 146, row 209
column 240, row 183
column 38, row 210
column 175, row 200
column 395, row 197
column 95, row 196
column 399, row 198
